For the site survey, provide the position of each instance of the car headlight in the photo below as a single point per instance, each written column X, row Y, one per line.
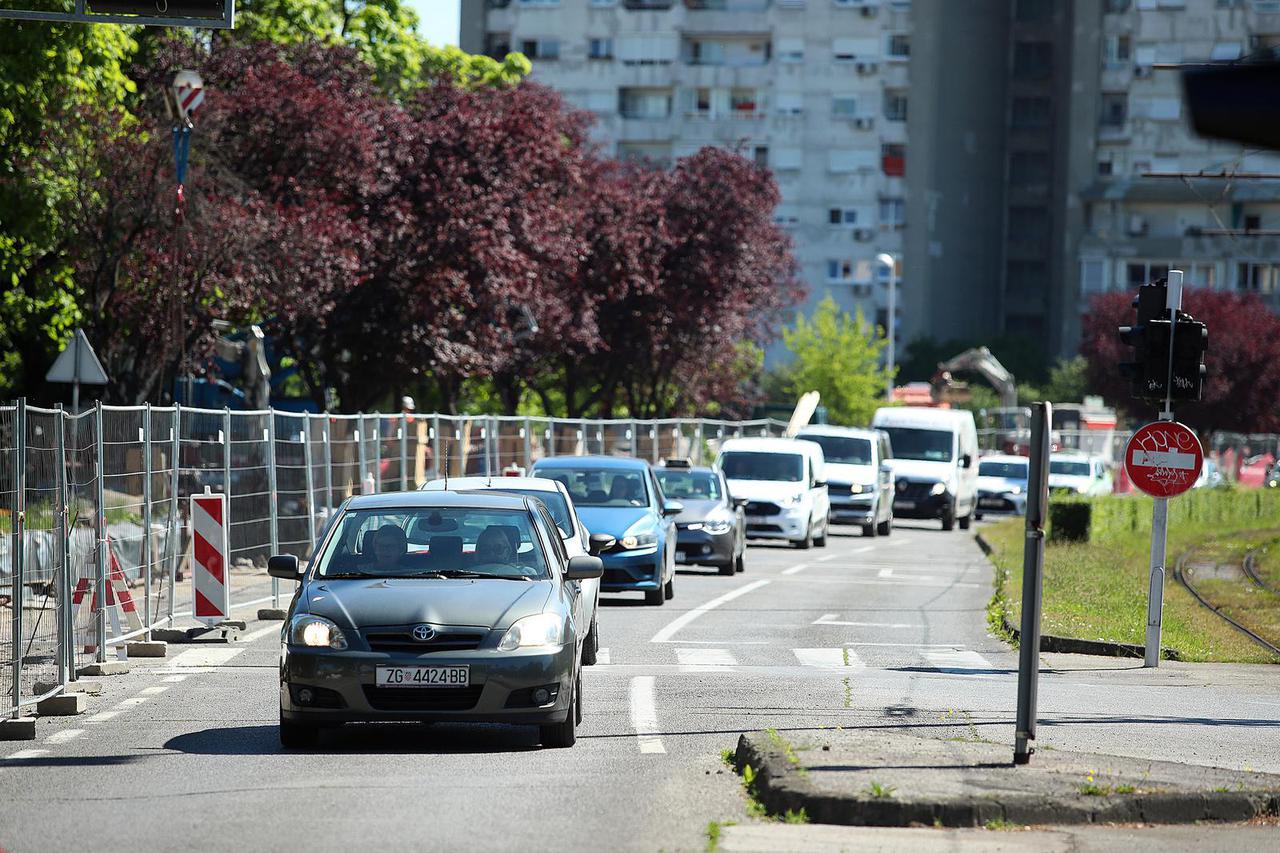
column 316, row 632
column 717, row 526
column 638, row 540
column 938, row 489
column 858, row 488
column 1015, row 490
column 542, row 629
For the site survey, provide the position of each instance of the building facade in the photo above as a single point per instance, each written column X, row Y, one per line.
column 816, row 90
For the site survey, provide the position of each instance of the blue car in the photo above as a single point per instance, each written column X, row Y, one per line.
column 620, row 496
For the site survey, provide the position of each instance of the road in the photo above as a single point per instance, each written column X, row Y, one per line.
column 182, row 754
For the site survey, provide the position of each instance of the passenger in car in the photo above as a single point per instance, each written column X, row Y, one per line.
column 493, row 547
column 389, row 547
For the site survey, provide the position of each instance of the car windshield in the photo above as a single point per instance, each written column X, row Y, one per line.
column 1069, row 468
column 929, row 445
column 433, row 542
column 1007, row 470
column 690, row 485
column 555, row 503
column 842, row 449
column 775, row 467
column 601, row 486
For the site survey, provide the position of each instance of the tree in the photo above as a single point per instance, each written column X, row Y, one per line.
column 1243, row 360
column 839, row 357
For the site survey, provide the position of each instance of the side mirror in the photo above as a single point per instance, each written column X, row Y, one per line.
column 966, row 461
column 819, row 483
column 283, row 566
column 671, row 508
column 583, row 568
column 740, row 503
column 599, row 543
column 886, row 468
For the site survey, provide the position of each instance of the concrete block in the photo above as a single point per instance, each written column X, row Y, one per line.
column 92, row 688
column 111, row 667
column 147, row 649
column 21, row 728
column 63, row 705
column 238, row 624
column 270, row 614
column 170, row 635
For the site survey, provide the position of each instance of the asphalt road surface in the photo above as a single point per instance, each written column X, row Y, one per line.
column 182, row 754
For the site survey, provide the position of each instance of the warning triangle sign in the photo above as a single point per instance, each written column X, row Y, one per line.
column 78, row 362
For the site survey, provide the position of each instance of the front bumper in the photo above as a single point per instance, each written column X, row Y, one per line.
column 501, row 683
column 701, row 547
column 631, row 570
column 854, row 510
column 1002, row 502
column 783, row 525
column 925, row 506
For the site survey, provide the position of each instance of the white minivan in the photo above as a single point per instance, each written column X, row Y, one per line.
column 784, row 484
column 935, row 462
column 859, row 479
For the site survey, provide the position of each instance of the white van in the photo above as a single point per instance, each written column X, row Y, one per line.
column 859, row 479
column 784, row 484
column 935, row 462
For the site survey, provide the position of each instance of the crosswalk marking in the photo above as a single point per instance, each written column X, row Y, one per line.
column 64, row 736
column 828, row 657
column 644, row 715
column 602, row 657
column 954, row 659
column 22, row 754
column 704, row 660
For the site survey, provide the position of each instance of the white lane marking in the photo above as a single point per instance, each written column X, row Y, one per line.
column 261, row 632
column 665, row 635
column 829, row 619
column 64, row 736
column 828, row 658
column 907, row 645
column 827, row 558
column 864, row 549
column 152, row 691
column 174, row 679
column 211, row 656
column 798, row 567
column 955, row 659
column 131, row 703
column 644, row 715
column 899, row 542
column 722, row 642
column 900, row 581
column 26, row 753
column 704, row 660
column 602, row 657
column 103, row 716
column 885, row 573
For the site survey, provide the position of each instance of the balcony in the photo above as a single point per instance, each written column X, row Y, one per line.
column 647, row 5
column 726, row 5
column 893, row 166
column 726, row 52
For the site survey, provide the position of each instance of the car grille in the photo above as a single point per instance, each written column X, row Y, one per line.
column 909, row 491
column 401, row 640
column 422, row 698
column 764, row 528
column 762, row 508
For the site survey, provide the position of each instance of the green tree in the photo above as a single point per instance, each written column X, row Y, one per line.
column 839, row 357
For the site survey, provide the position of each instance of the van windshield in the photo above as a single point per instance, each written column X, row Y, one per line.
column 842, row 449
column 775, row 467
column 929, row 445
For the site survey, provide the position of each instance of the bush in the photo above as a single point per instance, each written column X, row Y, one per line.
column 1069, row 521
column 1115, row 517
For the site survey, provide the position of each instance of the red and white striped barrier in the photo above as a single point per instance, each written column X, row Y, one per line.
column 118, row 598
column 209, row 576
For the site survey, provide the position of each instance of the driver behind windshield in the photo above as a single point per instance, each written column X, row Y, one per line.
column 389, row 547
column 493, row 547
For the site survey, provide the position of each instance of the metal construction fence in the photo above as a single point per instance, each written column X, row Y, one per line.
column 94, row 507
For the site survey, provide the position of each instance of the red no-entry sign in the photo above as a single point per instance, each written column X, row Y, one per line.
column 1163, row 459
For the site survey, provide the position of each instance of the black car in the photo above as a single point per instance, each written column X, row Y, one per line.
column 712, row 529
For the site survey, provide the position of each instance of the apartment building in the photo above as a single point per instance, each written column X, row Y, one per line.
column 816, row 90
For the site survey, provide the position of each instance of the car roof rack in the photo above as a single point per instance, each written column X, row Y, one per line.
column 677, row 462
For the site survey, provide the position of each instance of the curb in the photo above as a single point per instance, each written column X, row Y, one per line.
column 780, row 787
column 1074, row 645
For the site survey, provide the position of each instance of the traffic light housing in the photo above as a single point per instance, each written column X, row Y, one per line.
column 1149, row 372
column 1190, row 343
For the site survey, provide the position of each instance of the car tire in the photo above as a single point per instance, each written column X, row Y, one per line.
column 821, row 541
column 655, row 597
column 868, row 531
column 807, row 542
column 591, row 645
column 977, row 516
column 965, row 521
column 727, row 568
column 669, row 589
column 577, row 704
column 562, row 735
column 739, row 564
column 885, row 527
column 298, row 735
column 948, row 520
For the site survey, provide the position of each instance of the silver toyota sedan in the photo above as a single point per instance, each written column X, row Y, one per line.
column 435, row 606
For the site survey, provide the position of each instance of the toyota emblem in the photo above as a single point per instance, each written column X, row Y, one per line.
column 422, row 633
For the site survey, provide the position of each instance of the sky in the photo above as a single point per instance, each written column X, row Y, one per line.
column 438, row 22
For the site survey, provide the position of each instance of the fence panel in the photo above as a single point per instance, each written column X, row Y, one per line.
column 9, row 587
column 43, row 558
column 163, row 543
column 294, row 498
column 82, row 548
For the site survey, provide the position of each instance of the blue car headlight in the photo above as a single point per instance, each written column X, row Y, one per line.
column 633, row 541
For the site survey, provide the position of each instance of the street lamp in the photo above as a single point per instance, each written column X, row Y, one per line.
column 892, row 263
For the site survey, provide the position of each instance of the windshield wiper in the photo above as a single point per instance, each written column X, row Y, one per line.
column 460, row 573
column 346, row 575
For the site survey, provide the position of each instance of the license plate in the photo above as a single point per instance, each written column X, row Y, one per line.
column 424, row 676
column 759, row 519
column 904, row 504
column 991, row 502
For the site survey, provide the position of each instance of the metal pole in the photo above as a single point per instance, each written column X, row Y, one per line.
column 377, row 454
column 435, row 447
column 66, row 629
column 328, row 465
column 404, row 452
column 697, row 438
column 99, row 555
column 311, row 489
column 527, row 435
column 19, row 533
column 175, row 547
column 146, row 519
column 1160, row 512
column 485, row 434
column 634, row 435
column 1032, row 579
column 273, row 498
column 360, row 456
column 892, row 328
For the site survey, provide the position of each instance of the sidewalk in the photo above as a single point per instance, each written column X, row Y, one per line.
column 879, row 778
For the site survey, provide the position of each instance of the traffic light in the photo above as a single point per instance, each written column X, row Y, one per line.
column 1190, row 342
column 1149, row 372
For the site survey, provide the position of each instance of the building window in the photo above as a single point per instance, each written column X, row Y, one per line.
column 1115, row 109
column 1031, row 113
column 1104, row 167
column 497, row 45
column 1118, row 51
column 700, row 102
column 1026, row 277
column 1261, row 278
column 1115, row 7
column 1029, row 169
column 840, row 269
column 644, row 103
column 787, row 159
column 744, row 102
column 1093, row 278
column 1029, row 227
column 1139, row 273
column 600, row 49
column 845, row 217
column 1030, row 11
column 893, row 159
column 895, row 105
column 844, row 107
column 539, row 2
column 789, row 103
column 893, row 212
column 760, row 154
column 1032, row 60
column 899, row 46
column 544, row 49
column 790, row 50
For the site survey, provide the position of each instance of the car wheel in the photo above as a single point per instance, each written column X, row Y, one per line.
column 948, row 520
column 298, row 735
column 821, row 541
column 977, row 516
column 577, row 704
column 726, row 568
column 807, row 542
column 739, row 564
column 885, row 527
column 669, row 589
column 562, row 735
column 654, row 597
column 965, row 521
column 591, row 645
column 868, row 530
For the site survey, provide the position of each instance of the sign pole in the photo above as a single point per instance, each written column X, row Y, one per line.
column 1032, row 581
column 1160, row 512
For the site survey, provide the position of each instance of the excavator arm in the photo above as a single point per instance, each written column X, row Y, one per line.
column 979, row 360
